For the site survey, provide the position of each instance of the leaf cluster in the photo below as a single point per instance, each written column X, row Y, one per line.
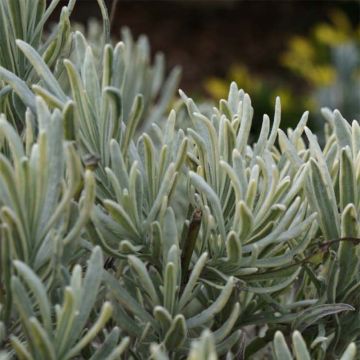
column 126, row 233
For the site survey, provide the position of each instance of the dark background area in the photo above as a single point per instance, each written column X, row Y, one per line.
column 206, row 37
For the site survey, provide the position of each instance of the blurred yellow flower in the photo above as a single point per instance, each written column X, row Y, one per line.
column 287, row 99
column 338, row 32
column 310, row 58
column 300, row 55
column 242, row 76
column 217, row 88
column 300, row 46
column 328, row 35
column 322, row 75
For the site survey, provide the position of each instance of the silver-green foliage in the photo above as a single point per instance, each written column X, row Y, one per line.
column 253, row 206
column 43, row 206
column 25, row 20
column 142, row 183
column 63, row 338
column 212, row 237
column 332, row 190
column 300, row 349
column 161, row 307
column 114, row 98
column 202, row 349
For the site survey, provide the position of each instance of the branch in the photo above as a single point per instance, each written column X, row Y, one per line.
column 189, row 243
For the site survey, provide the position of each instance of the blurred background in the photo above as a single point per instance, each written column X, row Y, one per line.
column 308, row 52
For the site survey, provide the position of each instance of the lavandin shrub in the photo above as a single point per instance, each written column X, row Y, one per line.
column 333, row 192
column 126, row 234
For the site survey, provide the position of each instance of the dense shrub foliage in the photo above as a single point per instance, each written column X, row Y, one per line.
column 132, row 230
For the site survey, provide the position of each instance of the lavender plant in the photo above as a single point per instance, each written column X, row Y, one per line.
column 25, row 20
column 125, row 234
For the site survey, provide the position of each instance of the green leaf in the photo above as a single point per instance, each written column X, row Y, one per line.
column 300, row 348
column 221, row 333
column 108, row 345
column 119, row 350
column 313, row 314
column 325, row 205
column 89, row 293
column 347, row 187
column 194, row 278
column 36, row 286
column 233, row 248
column 200, row 183
column 121, row 217
column 214, row 308
column 132, row 122
column 350, row 352
column 125, row 299
column 281, row 350
column 104, row 316
column 42, row 69
column 226, row 346
column 19, row 87
column 144, row 278
column 203, row 348
column 176, row 335
column 245, row 125
column 165, row 188
column 169, row 235
column 170, row 285
column 20, row 349
column 276, row 124
column 342, row 130
column 348, row 263
column 163, row 317
column 41, row 340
